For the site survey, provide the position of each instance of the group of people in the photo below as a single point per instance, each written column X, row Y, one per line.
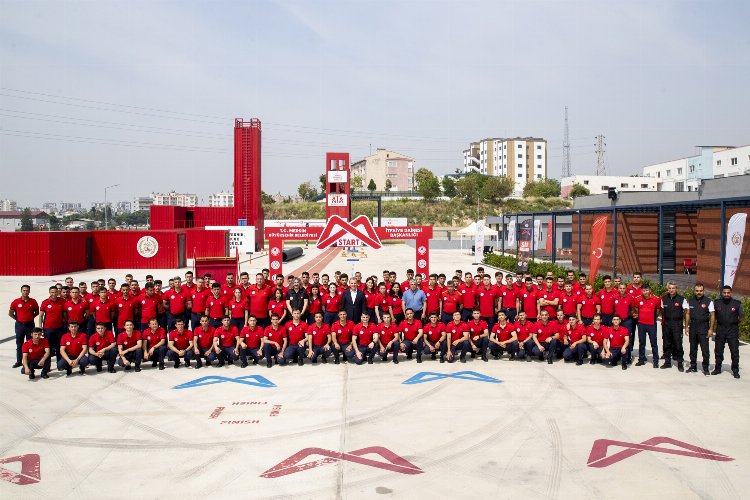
column 348, row 318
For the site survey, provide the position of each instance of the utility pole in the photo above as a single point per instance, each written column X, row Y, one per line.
column 106, row 223
column 601, row 163
column 566, row 171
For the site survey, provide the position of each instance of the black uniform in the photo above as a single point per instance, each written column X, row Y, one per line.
column 728, row 331
column 700, row 317
column 672, row 328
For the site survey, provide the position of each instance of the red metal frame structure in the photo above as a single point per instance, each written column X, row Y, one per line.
column 338, row 182
column 247, row 174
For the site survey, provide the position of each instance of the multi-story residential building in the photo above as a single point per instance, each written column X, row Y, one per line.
column 123, row 207
column 70, row 207
column 175, row 199
column 221, row 199
column 471, row 158
column 142, row 203
column 386, row 165
column 8, row 205
column 523, row 159
column 711, row 162
column 49, row 207
column 600, row 184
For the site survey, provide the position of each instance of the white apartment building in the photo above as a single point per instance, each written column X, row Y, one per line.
column 221, row 199
column 175, row 199
column 711, row 162
column 384, row 165
column 8, row 205
column 142, row 203
column 471, row 158
column 123, row 207
column 523, row 159
column 600, row 184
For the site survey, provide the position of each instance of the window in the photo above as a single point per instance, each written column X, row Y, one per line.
column 718, row 163
column 538, row 157
column 586, row 183
column 520, row 146
column 679, row 187
column 658, row 174
column 644, row 186
column 733, row 161
column 669, row 173
column 520, row 165
column 520, row 175
column 605, row 188
column 691, row 168
column 679, row 171
column 520, row 155
column 538, row 176
column 624, row 185
column 539, row 147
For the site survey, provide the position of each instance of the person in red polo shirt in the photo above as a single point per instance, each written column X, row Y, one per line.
column 596, row 332
column 635, row 289
column 549, row 298
column 258, row 295
column 451, row 301
column 154, row 343
column 204, row 343
column 102, row 347
column 125, row 308
column 176, row 301
column 77, row 309
column 607, row 297
column 319, row 340
column 73, row 351
column 645, row 310
column 51, row 320
column 524, row 331
column 35, row 354
column 274, row 342
column 503, row 337
column 508, row 298
column 388, row 339
column 296, row 333
column 434, row 339
column 468, row 290
column 341, row 338
column 479, row 335
column 198, row 296
column 250, row 340
column 149, row 306
column 545, row 338
column 227, row 289
column 180, row 344
column 228, row 342
column 528, row 302
column 623, row 307
column 23, row 311
column 569, row 301
column 411, row 335
column 102, row 309
column 574, row 342
column 458, row 339
column 130, row 347
column 616, row 343
column 588, row 305
column 364, row 340
column 487, row 295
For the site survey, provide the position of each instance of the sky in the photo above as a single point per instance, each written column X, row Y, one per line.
column 143, row 94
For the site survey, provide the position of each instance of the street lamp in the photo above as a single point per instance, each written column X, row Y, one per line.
column 106, row 224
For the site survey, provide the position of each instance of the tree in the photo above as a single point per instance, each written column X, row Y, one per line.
column 497, row 188
column 579, row 190
column 371, row 186
column 546, row 188
column 388, row 185
column 54, row 223
column 470, row 186
column 449, row 187
column 266, row 199
column 27, row 224
column 322, row 180
column 427, row 184
column 357, row 182
column 307, row 191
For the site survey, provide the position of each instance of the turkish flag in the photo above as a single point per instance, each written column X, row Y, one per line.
column 549, row 237
column 598, row 236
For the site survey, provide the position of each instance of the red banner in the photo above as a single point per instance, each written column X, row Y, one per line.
column 598, row 237
column 549, row 237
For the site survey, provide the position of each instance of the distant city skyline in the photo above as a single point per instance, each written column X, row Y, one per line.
column 100, row 93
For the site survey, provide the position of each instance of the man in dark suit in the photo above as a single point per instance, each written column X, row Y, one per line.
column 353, row 301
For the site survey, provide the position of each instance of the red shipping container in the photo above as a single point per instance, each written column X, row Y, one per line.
column 43, row 253
column 138, row 249
column 213, row 216
column 165, row 217
column 201, row 243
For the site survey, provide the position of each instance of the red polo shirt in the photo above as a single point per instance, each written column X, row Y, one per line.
column 205, row 337
column 503, row 332
column 26, row 310
column 647, row 309
column 387, row 333
column 98, row 342
column 35, row 351
column 251, row 336
column 75, row 310
column 73, row 345
column 181, row 340
column 364, row 334
column 410, row 330
column 295, row 333
column 53, row 312
column 227, row 337
column 318, row 333
column 434, row 332
column 342, row 333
